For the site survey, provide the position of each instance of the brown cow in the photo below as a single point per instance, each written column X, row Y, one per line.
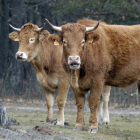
column 102, row 111
column 36, row 46
column 107, row 56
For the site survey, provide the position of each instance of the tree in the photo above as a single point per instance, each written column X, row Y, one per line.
column 110, row 11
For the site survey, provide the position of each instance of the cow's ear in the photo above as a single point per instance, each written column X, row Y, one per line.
column 92, row 37
column 55, row 39
column 43, row 34
column 14, row 36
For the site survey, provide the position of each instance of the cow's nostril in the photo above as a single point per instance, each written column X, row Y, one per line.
column 70, row 58
column 21, row 54
column 77, row 58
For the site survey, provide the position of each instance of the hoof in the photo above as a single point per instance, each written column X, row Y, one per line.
column 78, row 128
column 60, row 123
column 92, row 130
column 50, row 122
column 100, row 120
column 63, row 123
column 106, row 122
column 66, row 124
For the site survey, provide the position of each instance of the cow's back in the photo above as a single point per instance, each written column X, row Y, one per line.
column 123, row 46
column 89, row 22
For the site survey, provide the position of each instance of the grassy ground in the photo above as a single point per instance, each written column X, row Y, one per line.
column 123, row 126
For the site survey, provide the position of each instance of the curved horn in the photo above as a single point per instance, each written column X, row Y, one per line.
column 56, row 28
column 39, row 29
column 17, row 29
column 92, row 28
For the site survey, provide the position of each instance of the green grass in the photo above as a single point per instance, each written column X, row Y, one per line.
column 120, row 128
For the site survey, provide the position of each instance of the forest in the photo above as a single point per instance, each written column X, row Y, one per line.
column 18, row 79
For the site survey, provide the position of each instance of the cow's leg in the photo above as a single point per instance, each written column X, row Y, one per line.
column 100, row 112
column 80, row 101
column 105, row 98
column 61, row 99
column 50, row 102
column 94, row 99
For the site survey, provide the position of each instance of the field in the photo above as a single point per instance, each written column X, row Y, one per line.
column 30, row 125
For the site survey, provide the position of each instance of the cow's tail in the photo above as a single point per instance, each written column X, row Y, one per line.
column 138, row 85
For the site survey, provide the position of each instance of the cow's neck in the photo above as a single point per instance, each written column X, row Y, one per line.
column 44, row 71
column 73, row 78
column 39, row 61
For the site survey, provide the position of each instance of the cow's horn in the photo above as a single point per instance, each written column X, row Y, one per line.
column 54, row 27
column 17, row 29
column 39, row 29
column 92, row 28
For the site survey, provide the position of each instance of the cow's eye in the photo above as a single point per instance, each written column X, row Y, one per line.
column 83, row 42
column 32, row 40
column 64, row 42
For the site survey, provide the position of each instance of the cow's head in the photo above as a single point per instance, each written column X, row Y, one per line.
column 74, row 37
column 29, row 37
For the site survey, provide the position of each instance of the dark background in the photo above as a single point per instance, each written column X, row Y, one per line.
column 18, row 79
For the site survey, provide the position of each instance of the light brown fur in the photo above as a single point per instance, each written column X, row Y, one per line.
column 46, row 59
column 110, row 56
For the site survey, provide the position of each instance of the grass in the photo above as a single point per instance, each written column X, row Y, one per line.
column 125, row 127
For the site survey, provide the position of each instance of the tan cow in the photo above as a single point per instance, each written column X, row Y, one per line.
column 36, row 46
column 102, row 111
column 109, row 55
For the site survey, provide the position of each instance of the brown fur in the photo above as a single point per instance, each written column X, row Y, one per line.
column 89, row 22
column 110, row 56
column 46, row 59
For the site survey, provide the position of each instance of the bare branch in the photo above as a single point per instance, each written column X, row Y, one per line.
column 35, row 6
column 105, row 13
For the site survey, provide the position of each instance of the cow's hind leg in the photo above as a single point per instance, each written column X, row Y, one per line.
column 61, row 99
column 105, row 98
column 100, row 112
column 50, row 102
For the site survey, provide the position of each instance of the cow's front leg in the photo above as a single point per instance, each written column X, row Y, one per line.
column 50, row 102
column 94, row 99
column 61, row 99
column 80, row 101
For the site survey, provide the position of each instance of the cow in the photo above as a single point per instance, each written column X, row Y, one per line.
column 37, row 47
column 102, row 110
column 95, row 56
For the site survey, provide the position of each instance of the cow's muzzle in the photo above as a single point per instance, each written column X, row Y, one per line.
column 21, row 56
column 74, row 62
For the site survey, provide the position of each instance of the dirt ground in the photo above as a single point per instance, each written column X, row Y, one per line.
column 31, row 115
